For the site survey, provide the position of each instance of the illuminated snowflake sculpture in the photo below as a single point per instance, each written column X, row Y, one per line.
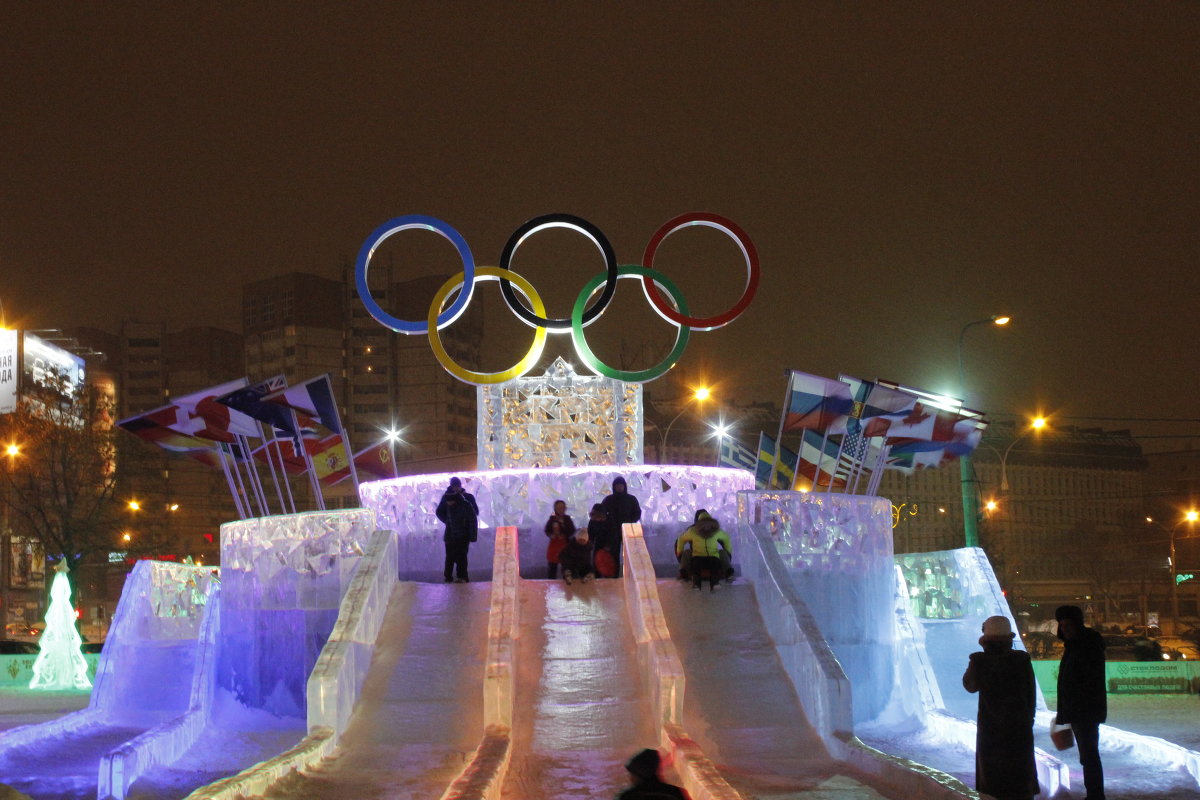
column 560, row 419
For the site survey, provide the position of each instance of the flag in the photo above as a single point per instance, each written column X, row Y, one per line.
column 884, row 405
column 733, row 454
column 313, row 397
column 249, row 401
column 816, row 459
column 153, row 427
column 198, row 414
column 858, row 395
column 768, row 473
column 373, row 462
column 330, row 462
column 815, row 403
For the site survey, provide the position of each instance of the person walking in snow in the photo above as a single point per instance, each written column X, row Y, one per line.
column 1003, row 677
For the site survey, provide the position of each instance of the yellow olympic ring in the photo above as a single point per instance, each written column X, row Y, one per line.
column 487, row 378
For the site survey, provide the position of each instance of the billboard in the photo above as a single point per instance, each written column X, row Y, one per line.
column 27, row 563
column 8, row 371
column 49, row 370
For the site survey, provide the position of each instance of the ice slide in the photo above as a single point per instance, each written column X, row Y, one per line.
column 942, row 599
column 144, row 680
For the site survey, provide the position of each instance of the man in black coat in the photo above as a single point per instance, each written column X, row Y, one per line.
column 1082, row 694
column 621, row 507
column 460, row 513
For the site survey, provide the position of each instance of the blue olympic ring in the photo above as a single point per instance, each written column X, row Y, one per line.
column 410, row 222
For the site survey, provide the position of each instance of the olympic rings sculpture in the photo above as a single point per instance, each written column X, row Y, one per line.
column 591, row 302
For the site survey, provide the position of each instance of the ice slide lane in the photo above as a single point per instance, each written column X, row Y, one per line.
column 581, row 709
column 740, row 705
column 418, row 717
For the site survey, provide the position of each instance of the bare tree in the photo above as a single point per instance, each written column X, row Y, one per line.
column 60, row 487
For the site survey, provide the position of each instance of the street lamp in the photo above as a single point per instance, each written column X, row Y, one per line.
column 1190, row 518
column 392, row 435
column 700, row 395
column 1036, row 424
column 966, row 473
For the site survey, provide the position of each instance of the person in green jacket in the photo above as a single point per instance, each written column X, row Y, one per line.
column 704, row 546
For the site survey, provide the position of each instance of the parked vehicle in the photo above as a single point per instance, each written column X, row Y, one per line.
column 12, row 647
column 93, row 647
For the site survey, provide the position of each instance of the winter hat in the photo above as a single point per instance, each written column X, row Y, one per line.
column 581, row 536
column 997, row 628
column 456, row 482
column 619, row 481
column 1069, row 612
column 597, row 510
column 645, row 764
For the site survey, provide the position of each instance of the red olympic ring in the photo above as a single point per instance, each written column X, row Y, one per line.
column 663, row 306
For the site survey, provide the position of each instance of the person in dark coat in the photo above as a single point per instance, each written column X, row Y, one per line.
column 576, row 558
column 621, row 507
column 1003, row 676
column 647, row 784
column 559, row 528
column 1082, row 694
column 460, row 514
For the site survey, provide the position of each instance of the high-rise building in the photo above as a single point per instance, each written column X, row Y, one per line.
column 302, row 326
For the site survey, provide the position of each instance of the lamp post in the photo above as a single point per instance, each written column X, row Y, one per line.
column 1036, row 424
column 1190, row 518
column 700, row 395
column 966, row 472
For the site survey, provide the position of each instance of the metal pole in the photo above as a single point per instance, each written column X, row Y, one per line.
column 1174, row 585
column 970, row 493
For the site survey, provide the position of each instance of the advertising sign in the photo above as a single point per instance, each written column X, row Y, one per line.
column 27, row 562
column 47, row 369
column 8, row 371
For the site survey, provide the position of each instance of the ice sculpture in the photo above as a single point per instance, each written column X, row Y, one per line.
column 560, row 419
column 669, row 497
column 282, row 579
column 838, row 550
column 60, row 664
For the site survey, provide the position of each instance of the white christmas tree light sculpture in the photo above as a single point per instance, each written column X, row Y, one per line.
column 60, row 664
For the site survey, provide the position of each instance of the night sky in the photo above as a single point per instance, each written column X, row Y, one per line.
column 902, row 168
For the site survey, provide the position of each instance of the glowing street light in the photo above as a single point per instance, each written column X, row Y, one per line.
column 391, row 436
column 1037, row 424
column 700, row 394
column 134, row 505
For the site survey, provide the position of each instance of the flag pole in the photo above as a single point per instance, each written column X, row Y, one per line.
column 252, row 476
column 237, row 498
column 262, row 434
column 787, row 396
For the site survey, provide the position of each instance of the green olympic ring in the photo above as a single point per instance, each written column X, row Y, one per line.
column 630, row 376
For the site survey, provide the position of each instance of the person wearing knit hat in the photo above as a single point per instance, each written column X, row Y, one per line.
column 576, row 557
column 647, row 784
column 1082, row 694
column 1003, row 677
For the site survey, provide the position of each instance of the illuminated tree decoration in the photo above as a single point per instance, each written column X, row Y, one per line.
column 60, row 664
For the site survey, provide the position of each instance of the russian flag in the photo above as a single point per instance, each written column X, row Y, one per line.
column 815, row 403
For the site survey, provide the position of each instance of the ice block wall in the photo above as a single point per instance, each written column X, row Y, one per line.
column 949, row 593
column 838, row 551
column 524, row 498
column 145, row 671
column 283, row 578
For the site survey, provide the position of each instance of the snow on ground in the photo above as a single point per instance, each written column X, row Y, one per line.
column 1175, row 718
column 20, row 705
